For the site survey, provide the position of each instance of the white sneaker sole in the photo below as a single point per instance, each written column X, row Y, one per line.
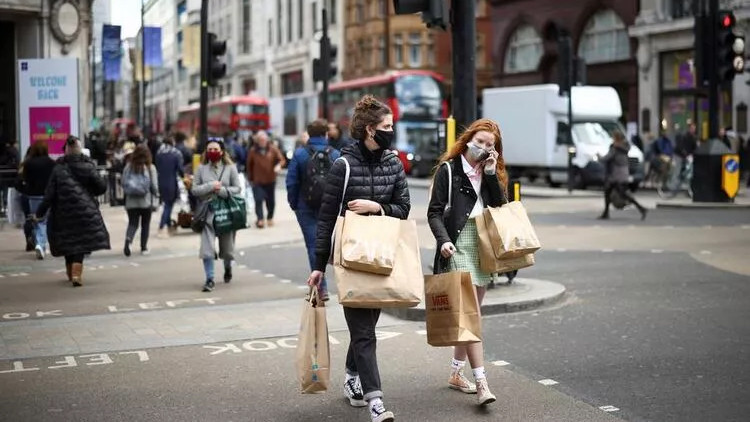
column 487, row 400
column 384, row 417
column 463, row 389
column 357, row 403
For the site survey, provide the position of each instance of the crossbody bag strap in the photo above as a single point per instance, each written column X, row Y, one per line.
column 450, row 183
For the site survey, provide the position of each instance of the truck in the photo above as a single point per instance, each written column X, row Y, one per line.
column 533, row 121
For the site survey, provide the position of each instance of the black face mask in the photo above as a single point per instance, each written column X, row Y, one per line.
column 383, row 138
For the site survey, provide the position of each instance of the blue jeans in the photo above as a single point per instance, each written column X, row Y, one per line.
column 267, row 194
column 40, row 227
column 166, row 214
column 308, row 222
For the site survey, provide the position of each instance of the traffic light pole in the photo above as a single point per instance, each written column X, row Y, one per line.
column 464, row 104
column 713, row 75
column 203, row 112
column 326, row 44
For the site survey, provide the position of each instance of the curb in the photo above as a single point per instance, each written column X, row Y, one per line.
column 526, row 191
column 702, row 205
column 527, row 294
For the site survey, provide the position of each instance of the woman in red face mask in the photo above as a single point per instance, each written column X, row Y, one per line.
column 216, row 176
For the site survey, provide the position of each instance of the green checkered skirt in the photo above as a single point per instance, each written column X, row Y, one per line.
column 466, row 257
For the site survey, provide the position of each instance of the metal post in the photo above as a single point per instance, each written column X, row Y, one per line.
column 713, row 76
column 142, row 86
column 570, row 83
column 464, row 99
column 203, row 113
column 93, row 81
column 325, row 49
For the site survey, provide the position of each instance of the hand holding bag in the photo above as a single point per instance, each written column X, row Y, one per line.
column 230, row 214
column 451, row 309
column 313, row 359
column 369, row 243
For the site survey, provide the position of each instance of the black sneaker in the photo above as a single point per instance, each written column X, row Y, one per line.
column 227, row 275
column 353, row 391
column 126, row 249
column 209, row 286
column 379, row 414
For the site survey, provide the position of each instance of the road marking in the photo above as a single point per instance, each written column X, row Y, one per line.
column 562, row 226
column 562, row 250
column 656, row 251
column 242, row 266
column 596, row 226
column 270, row 275
column 548, row 382
column 704, row 252
column 71, row 362
column 385, row 335
column 285, row 281
column 275, row 246
column 58, row 271
column 254, row 271
column 745, row 226
column 421, row 332
column 500, row 363
column 608, row 250
column 303, row 287
column 135, row 264
column 608, row 408
column 630, row 226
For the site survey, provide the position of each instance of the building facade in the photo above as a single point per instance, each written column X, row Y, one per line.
column 31, row 29
column 525, row 43
column 668, row 95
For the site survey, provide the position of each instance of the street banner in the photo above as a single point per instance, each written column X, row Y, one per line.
column 137, row 60
column 152, row 46
column 730, row 174
column 191, row 47
column 111, row 52
column 47, row 102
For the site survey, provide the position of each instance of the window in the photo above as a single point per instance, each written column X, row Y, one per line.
column 524, row 50
column 605, row 39
column 361, row 51
column 270, row 85
column 314, row 8
column 415, row 49
column 300, row 19
column 246, row 26
column 270, row 32
column 289, row 21
column 360, row 10
column 383, row 8
column 480, row 59
column 278, row 27
column 398, row 52
column 332, row 12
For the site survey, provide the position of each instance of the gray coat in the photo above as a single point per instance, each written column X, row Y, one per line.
column 203, row 188
column 151, row 199
column 617, row 164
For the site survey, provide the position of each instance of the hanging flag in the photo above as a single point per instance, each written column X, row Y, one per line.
column 191, row 46
column 137, row 60
column 111, row 52
column 152, row 46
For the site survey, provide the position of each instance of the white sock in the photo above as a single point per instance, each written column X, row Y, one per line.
column 479, row 373
column 457, row 364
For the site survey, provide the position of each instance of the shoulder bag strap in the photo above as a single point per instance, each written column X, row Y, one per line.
column 346, row 183
column 450, row 183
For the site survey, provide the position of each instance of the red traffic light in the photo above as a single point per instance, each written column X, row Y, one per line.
column 727, row 20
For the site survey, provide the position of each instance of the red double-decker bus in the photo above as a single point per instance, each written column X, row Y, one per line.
column 241, row 114
column 417, row 99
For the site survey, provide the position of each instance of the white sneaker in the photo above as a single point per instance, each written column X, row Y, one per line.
column 379, row 414
column 145, row 252
column 353, row 391
column 484, row 395
column 39, row 252
column 459, row 382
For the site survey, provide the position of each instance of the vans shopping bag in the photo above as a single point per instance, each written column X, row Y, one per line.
column 451, row 309
column 313, row 357
column 403, row 288
column 510, row 230
column 488, row 262
column 368, row 243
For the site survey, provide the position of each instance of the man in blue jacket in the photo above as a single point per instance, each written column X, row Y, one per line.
column 305, row 183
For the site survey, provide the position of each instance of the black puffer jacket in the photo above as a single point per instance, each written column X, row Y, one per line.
column 378, row 176
column 74, row 225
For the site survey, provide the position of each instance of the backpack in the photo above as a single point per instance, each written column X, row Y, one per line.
column 318, row 166
column 136, row 184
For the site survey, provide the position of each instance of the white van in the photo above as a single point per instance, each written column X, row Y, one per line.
column 533, row 121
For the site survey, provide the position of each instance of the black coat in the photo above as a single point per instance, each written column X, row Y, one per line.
column 75, row 224
column 169, row 164
column 378, row 177
column 36, row 174
column 447, row 227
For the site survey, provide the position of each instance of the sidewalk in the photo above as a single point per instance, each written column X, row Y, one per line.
column 527, row 191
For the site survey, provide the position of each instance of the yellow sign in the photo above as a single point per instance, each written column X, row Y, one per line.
column 730, row 174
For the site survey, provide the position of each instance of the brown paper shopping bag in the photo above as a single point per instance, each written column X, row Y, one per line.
column 452, row 310
column 401, row 289
column 510, row 230
column 369, row 243
column 488, row 262
column 313, row 358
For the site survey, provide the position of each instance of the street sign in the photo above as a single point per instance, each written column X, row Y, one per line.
column 730, row 174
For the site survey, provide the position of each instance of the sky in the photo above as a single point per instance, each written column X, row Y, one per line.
column 127, row 14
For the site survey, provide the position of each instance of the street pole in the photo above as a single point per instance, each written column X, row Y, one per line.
column 203, row 112
column 464, row 101
column 93, row 81
column 713, row 75
column 142, row 87
column 570, row 82
column 325, row 43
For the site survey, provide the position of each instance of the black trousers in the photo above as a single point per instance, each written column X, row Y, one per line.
column 267, row 194
column 74, row 259
column 142, row 215
column 622, row 189
column 361, row 358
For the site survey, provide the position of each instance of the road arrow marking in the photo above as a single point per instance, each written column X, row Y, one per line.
column 608, row 408
column 548, row 382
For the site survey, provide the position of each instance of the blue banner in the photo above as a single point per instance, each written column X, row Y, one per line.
column 152, row 46
column 111, row 52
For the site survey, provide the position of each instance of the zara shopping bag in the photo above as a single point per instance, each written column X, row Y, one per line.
column 369, row 243
column 313, row 357
column 401, row 289
column 510, row 230
column 488, row 262
column 451, row 309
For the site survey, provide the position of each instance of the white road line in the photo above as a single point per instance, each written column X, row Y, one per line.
column 708, row 226
column 704, row 252
column 285, row 281
column 270, row 275
column 421, row 332
column 667, row 227
column 548, row 382
column 561, row 250
column 135, row 264
column 562, row 226
column 242, row 266
column 608, row 250
column 500, row 363
column 275, row 246
column 745, row 226
column 608, row 408
column 254, row 271
column 656, row 251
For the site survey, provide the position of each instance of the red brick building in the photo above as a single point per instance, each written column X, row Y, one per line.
column 524, row 47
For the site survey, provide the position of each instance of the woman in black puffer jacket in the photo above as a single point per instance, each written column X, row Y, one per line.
column 75, row 226
column 377, row 185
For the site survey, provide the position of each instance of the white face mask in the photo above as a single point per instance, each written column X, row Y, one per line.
column 477, row 153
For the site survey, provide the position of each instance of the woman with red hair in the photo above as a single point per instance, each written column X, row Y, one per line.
column 473, row 174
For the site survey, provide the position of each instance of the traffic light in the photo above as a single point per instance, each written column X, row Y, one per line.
column 324, row 68
column 216, row 68
column 730, row 48
column 434, row 12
